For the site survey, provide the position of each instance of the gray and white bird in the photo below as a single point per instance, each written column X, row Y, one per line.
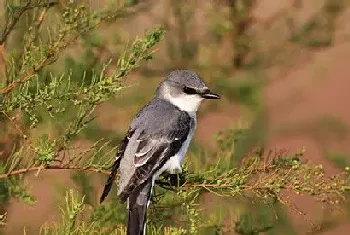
column 157, row 141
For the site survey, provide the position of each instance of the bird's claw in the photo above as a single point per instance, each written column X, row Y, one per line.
column 172, row 180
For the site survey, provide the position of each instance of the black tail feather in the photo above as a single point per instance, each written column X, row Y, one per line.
column 137, row 220
column 138, row 203
column 110, row 180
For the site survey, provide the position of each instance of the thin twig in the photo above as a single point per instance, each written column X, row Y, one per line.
column 53, row 167
column 52, row 57
column 49, row 59
column 17, row 127
column 38, row 23
column 10, row 24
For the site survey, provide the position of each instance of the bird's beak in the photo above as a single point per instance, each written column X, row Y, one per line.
column 209, row 95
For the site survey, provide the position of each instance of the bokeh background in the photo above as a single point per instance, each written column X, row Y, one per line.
column 282, row 68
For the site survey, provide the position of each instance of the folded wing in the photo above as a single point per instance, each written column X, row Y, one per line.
column 155, row 147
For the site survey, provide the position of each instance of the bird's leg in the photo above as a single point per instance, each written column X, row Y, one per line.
column 162, row 183
column 177, row 180
column 172, row 179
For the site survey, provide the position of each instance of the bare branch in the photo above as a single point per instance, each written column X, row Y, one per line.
column 51, row 57
column 47, row 61
column 12, row 21
column 17, row 127
column 53, row 167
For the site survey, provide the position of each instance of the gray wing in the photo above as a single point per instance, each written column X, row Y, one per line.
column 116, row 164
column 160, row 129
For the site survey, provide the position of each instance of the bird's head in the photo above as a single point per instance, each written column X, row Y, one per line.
column 185, row 89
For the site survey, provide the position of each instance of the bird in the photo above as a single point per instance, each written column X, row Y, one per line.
column 156, row 142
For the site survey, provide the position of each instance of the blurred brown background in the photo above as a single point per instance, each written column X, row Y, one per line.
column 283, row 65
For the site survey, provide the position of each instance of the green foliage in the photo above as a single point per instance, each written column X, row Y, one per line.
column 109, row 214
column 45, row 151
column 267, row 176
column 35, row 94
column 49, row 96
column 74, row 221
column 60, row 95
column 258, row 180
column 73, row 206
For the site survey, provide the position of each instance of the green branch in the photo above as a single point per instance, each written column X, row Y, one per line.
column 260, row 177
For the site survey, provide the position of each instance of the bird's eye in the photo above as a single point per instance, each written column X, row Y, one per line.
column 189, row 90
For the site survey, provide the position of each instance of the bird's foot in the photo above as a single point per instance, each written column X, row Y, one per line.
column 174, row 180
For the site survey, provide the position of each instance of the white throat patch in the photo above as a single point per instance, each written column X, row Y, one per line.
column 185, row 102
column 188, row 103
